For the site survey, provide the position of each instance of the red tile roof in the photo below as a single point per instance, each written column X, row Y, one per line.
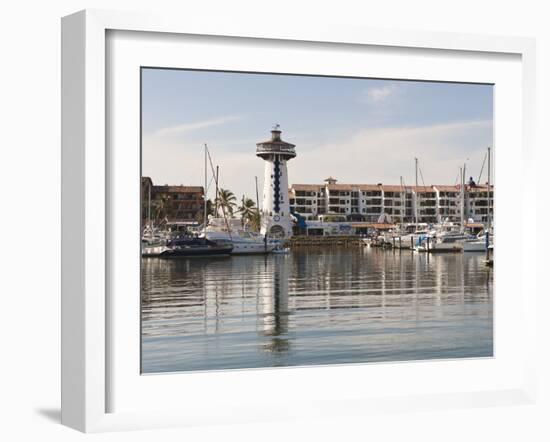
column 393, row 188
column 447, row 188
column 178, row 189
column 310, row 187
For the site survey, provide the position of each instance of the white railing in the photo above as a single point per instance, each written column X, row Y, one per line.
column 275, row 149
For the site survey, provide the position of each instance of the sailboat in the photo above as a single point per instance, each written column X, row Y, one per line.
column 230, row 231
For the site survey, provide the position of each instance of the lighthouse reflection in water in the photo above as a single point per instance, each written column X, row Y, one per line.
column 314, row 307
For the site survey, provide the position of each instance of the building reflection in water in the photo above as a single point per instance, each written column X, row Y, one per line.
column 273, row 305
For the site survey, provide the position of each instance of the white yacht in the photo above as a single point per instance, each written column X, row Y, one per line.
column 244, row 241
column 478, row 244
column 413, row 234
column 448, row 237
column 448, row 242
column 153, row 241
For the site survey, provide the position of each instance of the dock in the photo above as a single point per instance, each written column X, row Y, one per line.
column 325, row 240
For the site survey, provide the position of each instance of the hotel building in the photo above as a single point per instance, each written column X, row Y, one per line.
column 401, row 204
column 173, row 203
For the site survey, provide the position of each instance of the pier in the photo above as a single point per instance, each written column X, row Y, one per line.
column 323, row 241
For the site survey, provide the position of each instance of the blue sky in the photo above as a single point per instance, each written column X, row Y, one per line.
column 357, row 130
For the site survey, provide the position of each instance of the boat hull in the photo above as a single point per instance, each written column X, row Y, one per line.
column 196, row 252
column 446, row 248
column 241, row 246
column 476, row 246
column 250, row 249
column 441, row 248
column 153, row 251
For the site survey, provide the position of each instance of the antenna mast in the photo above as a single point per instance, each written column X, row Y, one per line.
column 488, row 188
column 205, row 184
column 416, row 191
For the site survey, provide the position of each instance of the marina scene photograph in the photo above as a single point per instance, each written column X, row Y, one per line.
column 295, row 220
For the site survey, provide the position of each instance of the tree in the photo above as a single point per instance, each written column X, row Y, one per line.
column 159, row 206
column 210, row 207
column 255, row 221
column 226, row 201
column 247, row 210
column 209, row 211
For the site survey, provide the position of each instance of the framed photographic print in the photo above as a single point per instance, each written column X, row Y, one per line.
column 265, row 223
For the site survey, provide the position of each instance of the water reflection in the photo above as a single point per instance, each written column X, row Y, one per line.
column 274, row 312
column 314, row 307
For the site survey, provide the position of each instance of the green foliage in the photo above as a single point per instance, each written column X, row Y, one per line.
column 227, row 202
column 249, row 213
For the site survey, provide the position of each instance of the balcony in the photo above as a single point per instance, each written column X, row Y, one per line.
column 266, row 150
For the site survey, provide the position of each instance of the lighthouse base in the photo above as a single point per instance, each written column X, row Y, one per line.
column 280, row 229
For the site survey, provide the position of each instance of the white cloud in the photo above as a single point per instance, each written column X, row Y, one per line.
column 197, row 125
column 384, row 154
column 169, row 160
column 366, row 156
column 379, row 94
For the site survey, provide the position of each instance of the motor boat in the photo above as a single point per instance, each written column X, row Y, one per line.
column 477, row 244
column 411, row 235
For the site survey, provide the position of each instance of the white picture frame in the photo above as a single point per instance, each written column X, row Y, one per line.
column 86, row 315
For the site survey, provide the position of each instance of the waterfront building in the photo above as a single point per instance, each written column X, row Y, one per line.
column 307, row 200
column 425, row 199
column 397, row 202
column 173, row 204
column 276, row 218
column 332, row 201
column 352, row 202
column 478, row 203
column 448, row 202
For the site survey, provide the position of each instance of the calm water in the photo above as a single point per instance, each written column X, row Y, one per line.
column 325, row 306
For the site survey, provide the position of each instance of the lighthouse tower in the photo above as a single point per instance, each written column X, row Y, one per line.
column 276, row 220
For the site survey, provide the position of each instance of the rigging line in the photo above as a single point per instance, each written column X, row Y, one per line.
column 456, row 179
column 422, row 176
column 482, row 166
column 222, row 207
column 210, row 161
column 209, row 184
column 211, row 165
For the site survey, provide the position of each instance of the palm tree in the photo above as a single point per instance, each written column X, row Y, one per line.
column 255, row 221
column 248, row 210
column 160, row 208
column 210, row 207
column 199, row 217
column 226, row 201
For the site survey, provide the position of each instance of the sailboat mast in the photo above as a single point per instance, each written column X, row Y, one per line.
column 257, row 197
column 216, row 200
column 488, row 188
column 416, row 191
column 461, row 197
column 149, row 209
column 402, row 201
column 205, row 183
